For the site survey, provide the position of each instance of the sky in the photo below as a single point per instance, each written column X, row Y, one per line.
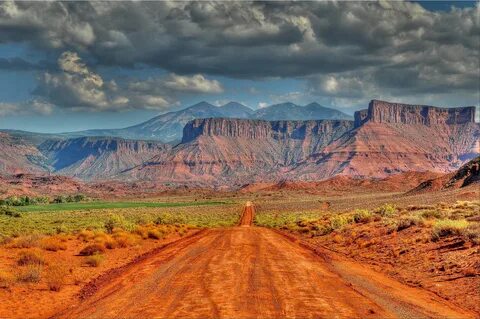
column 68, row 66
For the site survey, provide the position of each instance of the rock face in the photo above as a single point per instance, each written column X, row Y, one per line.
column 232, row 151
column 19, row 156
column 386, row 139
column 386, row 112
column 98, row 157
column 257, row 129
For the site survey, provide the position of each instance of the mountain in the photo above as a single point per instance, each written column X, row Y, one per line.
column 98, row 157
column 168, row 127
column 17, row 155
column 386, row 139
column 290, row 111
column 383, row 140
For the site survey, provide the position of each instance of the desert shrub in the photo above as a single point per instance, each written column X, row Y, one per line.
column 340, row 221
column 125, row 239
column 155, row 234
column 9, row 212
column 79, row 198
column 86, row 235
column 472, row 232
column 167, row 218
column 30, row 257
column 31, row 273
column 94, row 260
column 55, row 276
column 117, row 221
column 141, row 231
column 6, row 279
column 433, row 213
column 52, row 244
column 28, row 241
column 92, row 249
column 362, row 215
column 60, row 199
column 387, row 210
column 405, row 222
column 110, row 243
column 448, row 227
column 5, row 240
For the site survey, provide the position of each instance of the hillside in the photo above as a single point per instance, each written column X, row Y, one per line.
column 19, row 156
column 98, row 157
column 468, row 174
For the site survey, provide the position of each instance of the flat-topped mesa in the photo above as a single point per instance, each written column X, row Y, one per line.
column 260, row 129
column 386, row 112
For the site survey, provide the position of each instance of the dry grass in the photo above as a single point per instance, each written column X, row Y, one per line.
column 126, row 239
column 55, row 276
column 52, row 244
column 6, row 279
column 92, row 249
column 447, row 227
column 94, row 260
column 30, row 257
column 28, row 241
column 31, row 274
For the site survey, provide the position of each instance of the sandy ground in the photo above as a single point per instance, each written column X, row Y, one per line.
column 252, row 272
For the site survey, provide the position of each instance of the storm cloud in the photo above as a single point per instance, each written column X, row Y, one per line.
column 349, row 51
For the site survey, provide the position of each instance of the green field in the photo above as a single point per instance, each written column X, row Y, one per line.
column 71, row 217
column 109, row 205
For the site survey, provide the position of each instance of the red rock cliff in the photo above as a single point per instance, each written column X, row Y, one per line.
column 258, row 129
column 386, row 112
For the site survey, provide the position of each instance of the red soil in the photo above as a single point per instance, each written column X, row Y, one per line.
column 246, row 272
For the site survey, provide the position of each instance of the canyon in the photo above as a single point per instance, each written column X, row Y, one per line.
column 383, row 140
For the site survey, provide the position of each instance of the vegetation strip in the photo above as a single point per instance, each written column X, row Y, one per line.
column 109, row 205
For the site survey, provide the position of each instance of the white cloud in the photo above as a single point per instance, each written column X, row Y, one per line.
column 75, row 86
column 196, row 83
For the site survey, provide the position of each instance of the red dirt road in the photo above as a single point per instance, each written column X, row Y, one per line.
column 252, row 272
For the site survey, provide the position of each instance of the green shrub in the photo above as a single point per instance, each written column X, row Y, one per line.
column 117, row 221
column 448, row 227
column 340, row 221
column 387, row 210
column 9, row 212
column 433, row 213
column 362, row 215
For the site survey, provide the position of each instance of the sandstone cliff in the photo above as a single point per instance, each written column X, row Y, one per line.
column 386, row 112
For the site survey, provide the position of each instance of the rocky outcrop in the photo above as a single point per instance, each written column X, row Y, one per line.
column 258, row 129
column 361, row 117
column 386, row 112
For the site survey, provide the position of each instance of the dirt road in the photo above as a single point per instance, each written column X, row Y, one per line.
column 252, row 272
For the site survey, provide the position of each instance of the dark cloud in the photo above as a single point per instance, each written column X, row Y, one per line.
column 390, row 48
